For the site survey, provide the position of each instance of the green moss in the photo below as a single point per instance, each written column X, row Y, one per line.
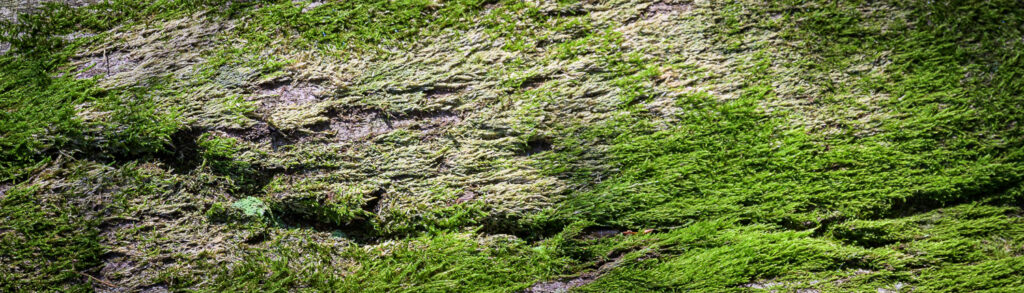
column 45, row 246
column 730, row 160
column 368, row 27
column 45, row 115
column 249, row 209
column 726, row 146
column 729, row 259
column 34, row 107
column 445, row 262
column 1001, row 275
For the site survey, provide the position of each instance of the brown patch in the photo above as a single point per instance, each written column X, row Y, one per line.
column 564, row 285
column 115, row 264
column 351, row 125
column 358, row 124
column 667, row 8
column 107, row 64
column 598, row 233
column 491, row 6
column 534, row 82
column 440, row 92
column 468, row 196
column 444, row 165
column 361, row 124
column 289, row 94
column 261, row 133
column 155, row 289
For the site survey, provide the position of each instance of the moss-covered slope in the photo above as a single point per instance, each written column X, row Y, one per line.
column 512, row 146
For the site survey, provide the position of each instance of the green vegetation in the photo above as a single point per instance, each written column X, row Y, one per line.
column 47, row 245
column 443, row 262
column 358, row 26
column 506, row 146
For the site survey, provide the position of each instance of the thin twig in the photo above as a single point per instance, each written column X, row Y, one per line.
column 107, row 61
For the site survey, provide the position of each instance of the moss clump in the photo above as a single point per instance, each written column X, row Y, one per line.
column 443, row 262
column 249, row 209
column 46, row 245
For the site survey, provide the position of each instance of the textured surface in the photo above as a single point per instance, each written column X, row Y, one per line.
column 514, row 146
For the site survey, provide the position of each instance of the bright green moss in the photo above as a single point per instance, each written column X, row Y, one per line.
column 440, row 263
